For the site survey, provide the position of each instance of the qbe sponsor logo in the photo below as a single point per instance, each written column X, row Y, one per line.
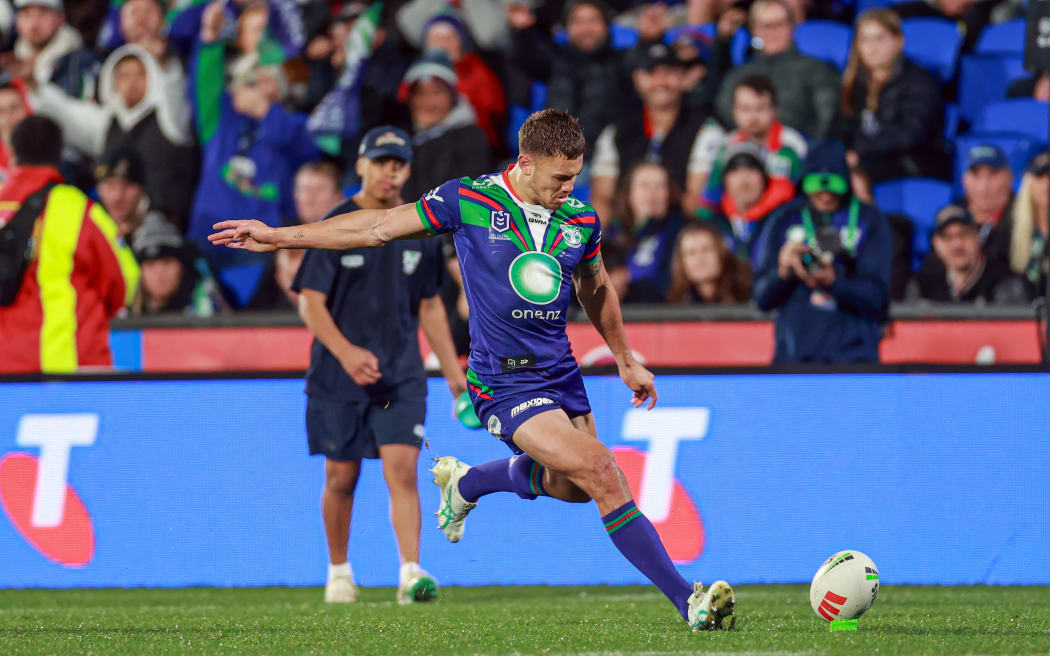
column 35, row 492
column 531, row 403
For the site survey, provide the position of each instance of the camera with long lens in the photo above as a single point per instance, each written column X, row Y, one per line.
column 828, row 246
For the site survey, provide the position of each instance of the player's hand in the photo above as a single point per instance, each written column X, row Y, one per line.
column 361, row 365
column 249, row 235
column 640, row 381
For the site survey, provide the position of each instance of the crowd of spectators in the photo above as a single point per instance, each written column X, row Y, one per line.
column 727, row 165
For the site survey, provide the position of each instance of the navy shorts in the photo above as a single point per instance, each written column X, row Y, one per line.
column 353, row 430
column 504, row 401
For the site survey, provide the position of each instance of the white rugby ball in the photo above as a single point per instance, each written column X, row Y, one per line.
column 844, row 587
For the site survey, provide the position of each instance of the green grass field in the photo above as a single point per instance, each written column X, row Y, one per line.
column 772, row 619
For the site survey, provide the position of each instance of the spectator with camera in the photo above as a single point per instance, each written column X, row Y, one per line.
column 664, row 130
column 891, row 108
column 705, row 270
column 807, row 87
column 744, row 206
column 969, row 276
column 824, row 265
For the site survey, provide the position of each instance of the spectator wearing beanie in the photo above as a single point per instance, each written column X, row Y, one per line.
column 586, row 77
column 173, row 279
column 744, row 207
column 50, row 50
column 807, row 87
column 485, row 20
column 891, row 108
column 477, row 83
column 121, row 184
column 447, row 142
column 824, row 265
column 139, row 107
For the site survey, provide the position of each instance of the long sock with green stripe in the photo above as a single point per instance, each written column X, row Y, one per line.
column 636, row 538
column 520, row 474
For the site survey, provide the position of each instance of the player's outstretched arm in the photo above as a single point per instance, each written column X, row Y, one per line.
column 602, row 305
column 360, row 229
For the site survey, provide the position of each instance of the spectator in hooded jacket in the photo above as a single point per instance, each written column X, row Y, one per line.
column 742, row 211
column 585, row 77
column 891, row 108
column 807, row 87
column 251, row 145
column 49, row 50
column 174, row 280
column 447, row 142
column 824, row 265
column 484, row 20
column 139, row 106
column 477, row 83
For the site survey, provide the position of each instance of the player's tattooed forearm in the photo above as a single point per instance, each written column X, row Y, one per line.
column 299, row 234
column 590, row 270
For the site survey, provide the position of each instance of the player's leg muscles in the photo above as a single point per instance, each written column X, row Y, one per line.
column 399, row 469
column 572, row 449
column 551, row 439
column 559, row 485
column 337, row 502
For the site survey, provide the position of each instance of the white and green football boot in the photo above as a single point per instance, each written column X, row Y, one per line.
column 454, row 508
column 708, row 610
column 417, row 585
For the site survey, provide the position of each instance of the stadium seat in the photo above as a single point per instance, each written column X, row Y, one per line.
column 740, row 48
column 951, row 120
column 934, row 44
column 983, row 79
column 825, row 40
column 919, row 199
column 1019, row 149
column 1002, row 39
column 515, row 117
column 1025, row 117
column 240, row 282
column 537, row 96
column 623, row 37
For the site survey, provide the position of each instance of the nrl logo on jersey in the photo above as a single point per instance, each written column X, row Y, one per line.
column 573, row 235
column 499, row 223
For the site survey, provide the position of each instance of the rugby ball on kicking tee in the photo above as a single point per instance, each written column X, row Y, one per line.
column 844, row 587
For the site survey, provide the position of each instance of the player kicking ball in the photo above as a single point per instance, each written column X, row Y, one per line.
column 523, row 241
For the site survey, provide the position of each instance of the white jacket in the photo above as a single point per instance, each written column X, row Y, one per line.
column 85, row 125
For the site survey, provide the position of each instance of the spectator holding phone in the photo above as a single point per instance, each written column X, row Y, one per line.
column 824, row 265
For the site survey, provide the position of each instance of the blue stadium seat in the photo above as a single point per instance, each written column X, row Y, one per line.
column 623, row 37
column 919, row 199
column 983, row 79
column 934, row 44
column 515, row 117
column 825, row 40
column 740, row 48
column 1025, row 117
column 1002, row 39
column 240, row 282
column 1019, row 149
column 951, row 120
column 706, row 29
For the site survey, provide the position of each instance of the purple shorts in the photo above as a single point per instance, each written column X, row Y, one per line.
column 504, row 401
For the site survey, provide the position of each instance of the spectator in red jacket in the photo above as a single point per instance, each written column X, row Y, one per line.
column 79, row 276
column 477, row 83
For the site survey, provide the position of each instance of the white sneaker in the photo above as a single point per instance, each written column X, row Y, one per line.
column 708, row 609
column 340, row 590
column 416, row 585
column 454, row 508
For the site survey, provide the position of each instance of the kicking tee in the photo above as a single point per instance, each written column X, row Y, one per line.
column 517, row 261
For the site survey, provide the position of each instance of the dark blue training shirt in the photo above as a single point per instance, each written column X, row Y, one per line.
column 373, row 295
